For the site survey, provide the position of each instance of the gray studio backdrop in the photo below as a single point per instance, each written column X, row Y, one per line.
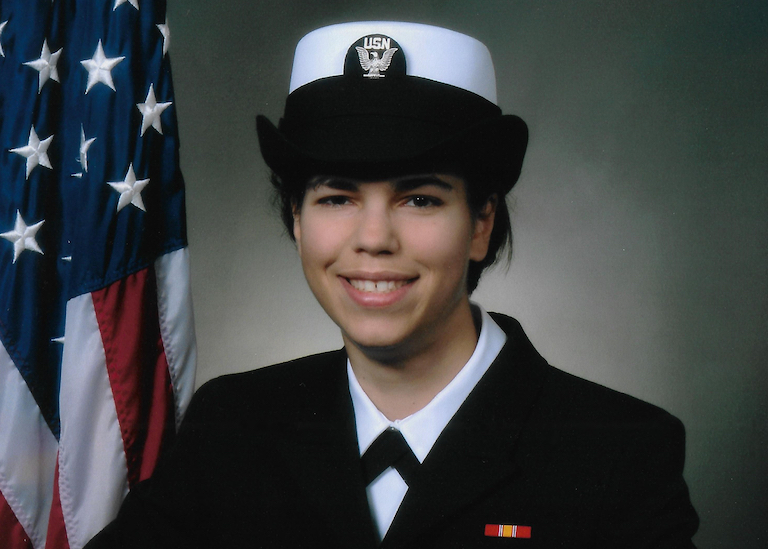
column 640, row 219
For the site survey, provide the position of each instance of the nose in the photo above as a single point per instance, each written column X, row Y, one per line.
column 376, row 232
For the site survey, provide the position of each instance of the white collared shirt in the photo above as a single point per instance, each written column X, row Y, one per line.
column 420, row 429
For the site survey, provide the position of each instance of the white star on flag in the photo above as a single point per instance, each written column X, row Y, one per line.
column 100, row 68
column 35, row 152
column 165, row 30
column 2, row 26
column 151, row 111
column 134, row 3
column 23, row 236
column 46, row 65
column 130, row 190
column 85, row 144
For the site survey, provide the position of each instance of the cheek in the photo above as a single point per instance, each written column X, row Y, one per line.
column 443, row 245
column 319, row 242
column 311, row 249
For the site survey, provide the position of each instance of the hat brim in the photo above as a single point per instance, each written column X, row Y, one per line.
column 382, row 147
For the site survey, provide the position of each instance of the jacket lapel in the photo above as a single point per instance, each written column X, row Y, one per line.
column 475, row 454
column 322, row 453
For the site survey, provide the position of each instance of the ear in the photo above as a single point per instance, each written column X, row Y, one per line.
column 481, row 235
column 297, row 226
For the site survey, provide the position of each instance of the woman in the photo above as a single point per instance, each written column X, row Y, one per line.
column 438, row 424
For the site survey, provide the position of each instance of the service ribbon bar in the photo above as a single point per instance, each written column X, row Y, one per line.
column 507, row 531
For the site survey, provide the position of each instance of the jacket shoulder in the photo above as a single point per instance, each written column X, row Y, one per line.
column 269, row 389
column 594, row 449
column 574, row 399
column 586, row 399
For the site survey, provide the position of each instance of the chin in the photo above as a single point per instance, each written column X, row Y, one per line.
column 374, row 339
column 384, row 342
column 379, row 331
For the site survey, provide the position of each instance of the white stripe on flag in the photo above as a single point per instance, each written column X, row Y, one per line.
column 174, row 304
column 92, row 466
column 27, row 453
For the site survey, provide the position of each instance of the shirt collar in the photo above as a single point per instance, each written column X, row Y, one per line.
column 422, row 428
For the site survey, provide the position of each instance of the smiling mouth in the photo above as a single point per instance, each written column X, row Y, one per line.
column 377, row 286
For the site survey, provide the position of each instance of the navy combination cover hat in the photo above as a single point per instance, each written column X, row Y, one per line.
column 380, row 99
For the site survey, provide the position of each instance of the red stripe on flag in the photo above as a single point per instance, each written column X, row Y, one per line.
column 57, row 531
column 137, row 367
column 12, row 534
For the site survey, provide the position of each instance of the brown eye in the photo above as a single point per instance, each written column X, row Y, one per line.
column 334, row 200
column 421, row 201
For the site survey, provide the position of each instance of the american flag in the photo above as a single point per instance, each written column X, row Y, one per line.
column 97, row 349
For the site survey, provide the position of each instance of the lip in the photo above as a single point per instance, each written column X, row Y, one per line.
column 377, row 299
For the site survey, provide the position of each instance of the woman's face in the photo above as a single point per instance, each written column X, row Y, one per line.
column 388, row 260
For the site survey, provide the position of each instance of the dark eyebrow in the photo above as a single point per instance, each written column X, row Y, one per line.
column 411, row 183
column 401, row 185
column 335, row 183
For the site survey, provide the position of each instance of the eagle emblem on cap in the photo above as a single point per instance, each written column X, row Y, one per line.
column 372, row 63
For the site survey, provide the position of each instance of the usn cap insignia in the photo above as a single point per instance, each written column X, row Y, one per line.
column 373, row 55
column 372, row 63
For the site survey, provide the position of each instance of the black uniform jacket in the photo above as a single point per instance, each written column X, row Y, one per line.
column 269, row 458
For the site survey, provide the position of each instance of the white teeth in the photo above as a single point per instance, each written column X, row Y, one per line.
column 379, row 286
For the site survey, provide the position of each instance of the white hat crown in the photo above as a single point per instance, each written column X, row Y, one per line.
column 431, row 52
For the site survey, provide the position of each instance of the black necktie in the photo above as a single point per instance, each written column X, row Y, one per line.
column 389, row 450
